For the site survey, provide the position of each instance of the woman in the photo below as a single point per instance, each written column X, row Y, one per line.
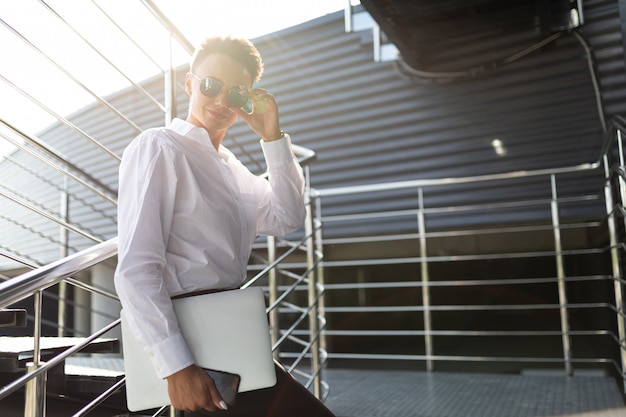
column 189, row 212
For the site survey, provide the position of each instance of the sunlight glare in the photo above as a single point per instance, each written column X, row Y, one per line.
column 97, row 55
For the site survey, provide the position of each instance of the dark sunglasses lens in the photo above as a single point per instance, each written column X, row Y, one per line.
column 235, row 99
column 210, row 87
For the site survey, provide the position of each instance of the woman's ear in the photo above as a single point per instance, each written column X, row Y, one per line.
column 188, row 84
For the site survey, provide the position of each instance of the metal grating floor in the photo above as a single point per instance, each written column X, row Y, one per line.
column 394, row 393
column 383, row 393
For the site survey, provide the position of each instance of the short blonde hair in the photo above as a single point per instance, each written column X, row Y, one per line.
column 239, row 49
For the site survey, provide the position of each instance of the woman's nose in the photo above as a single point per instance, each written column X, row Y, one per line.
column 222, row 98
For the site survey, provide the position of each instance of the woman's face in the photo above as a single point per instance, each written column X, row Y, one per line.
column 213, row 113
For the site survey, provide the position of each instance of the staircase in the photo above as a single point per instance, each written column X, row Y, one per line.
column 66, row 358
column 498, row 295
column 17, row 355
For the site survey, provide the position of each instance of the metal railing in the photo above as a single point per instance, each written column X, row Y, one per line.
column 434, row 275
column 74, row 182
column 48, row 165
column 32, row 284
column 297, row 277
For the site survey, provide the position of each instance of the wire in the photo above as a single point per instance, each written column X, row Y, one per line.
column 594, row 78
column 478, row 69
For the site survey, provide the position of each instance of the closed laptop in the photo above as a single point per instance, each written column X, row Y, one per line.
column 226, row 331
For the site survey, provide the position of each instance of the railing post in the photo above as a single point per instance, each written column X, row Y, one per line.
column 312, row 290
column 170, row 87
column 320, row 266
column 421, row 223
column 273, row 294
column 35, row 398
column 620, row 177
column 377, row 44
column 347, row 16
column 560, row 273
column 615, row 258
column 64, row 244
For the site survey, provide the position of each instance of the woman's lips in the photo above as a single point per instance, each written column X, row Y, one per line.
column 217, row 114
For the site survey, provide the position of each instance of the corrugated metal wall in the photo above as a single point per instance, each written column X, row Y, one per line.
column 602, row 28
column 373, row 122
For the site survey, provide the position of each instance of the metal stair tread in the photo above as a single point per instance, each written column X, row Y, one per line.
column 15, row 351
column 12, row 317
column 94, row 366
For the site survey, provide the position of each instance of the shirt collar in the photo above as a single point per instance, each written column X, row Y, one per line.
column 186, row 129
column 197, row 134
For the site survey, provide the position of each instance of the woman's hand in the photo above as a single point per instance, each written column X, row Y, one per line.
column 192, row 389
column 263, row 118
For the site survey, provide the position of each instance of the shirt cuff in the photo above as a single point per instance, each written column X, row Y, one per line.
column 278, row 152
column 170, row 355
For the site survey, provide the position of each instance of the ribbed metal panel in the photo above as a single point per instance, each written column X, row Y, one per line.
column 373, row 122
column 428, row 131
column 602, row 29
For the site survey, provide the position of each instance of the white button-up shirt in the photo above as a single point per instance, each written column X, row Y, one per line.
column 187, row 218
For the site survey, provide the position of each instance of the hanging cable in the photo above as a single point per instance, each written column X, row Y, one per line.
column 478, row 69
column 594, row 78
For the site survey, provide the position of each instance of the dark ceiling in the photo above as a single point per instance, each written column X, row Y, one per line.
column 419, row 28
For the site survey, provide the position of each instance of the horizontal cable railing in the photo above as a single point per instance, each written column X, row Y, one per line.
column 435, row 305
column 88, row 213
column 50, row 173
column 485, row 294
column 33, row 283
column 289, row 311
column 79, row 183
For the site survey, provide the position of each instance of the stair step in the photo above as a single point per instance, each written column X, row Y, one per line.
column 13, row 317
column 95, row 366
column 92, row 375
column 15, row 352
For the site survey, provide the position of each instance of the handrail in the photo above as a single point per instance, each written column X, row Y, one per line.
column 60, row 118
column 138, row 87
column 454, row 180
column 72, row 281
column 61, row 271
column 167, row 23
column 37, row 280
column 47, row 150
column 50, row 217
column 617, row 123
column 128, row 36
column 307, row 155
column 611, row 183
column 25, row 285
column 70, row 76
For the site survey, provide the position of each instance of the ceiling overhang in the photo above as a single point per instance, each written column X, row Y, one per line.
column 420, row 28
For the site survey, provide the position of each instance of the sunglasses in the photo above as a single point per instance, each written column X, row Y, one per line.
column 211, row 87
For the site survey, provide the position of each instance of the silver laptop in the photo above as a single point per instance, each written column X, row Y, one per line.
column 226, row 331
